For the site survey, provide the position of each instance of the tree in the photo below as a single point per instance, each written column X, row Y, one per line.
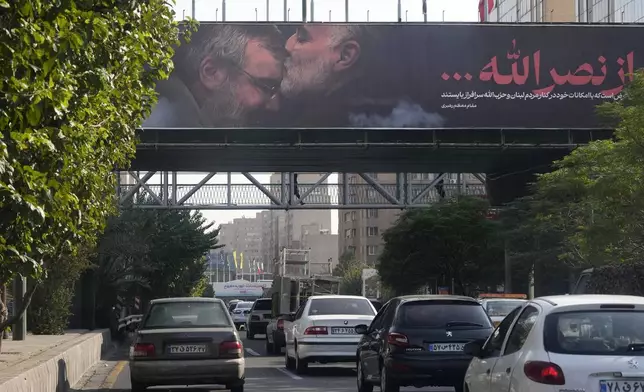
column 346, row 262
column 594, row 199
column 152, row 253
column 72, row 96
column 209, row 291
column 450, row 240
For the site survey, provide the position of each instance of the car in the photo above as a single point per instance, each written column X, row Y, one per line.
column 377, row 304
column 275, row 333
column 240, row 313
column 323, row 330
column 563, row 343
column 419, row 341
column 187, row 341
column 498, row 308
column 232, row 304
column 258, row 317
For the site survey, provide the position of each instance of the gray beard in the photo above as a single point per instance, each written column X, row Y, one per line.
column 223, row 109
column 308, row 77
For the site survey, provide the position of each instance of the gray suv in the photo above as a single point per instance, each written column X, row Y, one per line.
column 260, row 315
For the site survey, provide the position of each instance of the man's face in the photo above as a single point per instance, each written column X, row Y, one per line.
column 249, row 89
column 312, row 57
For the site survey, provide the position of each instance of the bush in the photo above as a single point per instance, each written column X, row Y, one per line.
column 620, row 279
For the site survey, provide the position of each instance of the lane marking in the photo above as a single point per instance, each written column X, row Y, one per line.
column 252, row 352
column 111, row 378
column 289, row 374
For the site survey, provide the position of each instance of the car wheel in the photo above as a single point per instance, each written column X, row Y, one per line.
column 387, row 384
column 301, row 365
column 289, row 363
column 137, row 386
column 363, row 386
column 237, row 388
column 269, row 346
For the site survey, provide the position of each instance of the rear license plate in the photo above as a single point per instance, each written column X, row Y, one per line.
column 343, row 331
column 447, row 347
column 621, row 386
column 187, row 349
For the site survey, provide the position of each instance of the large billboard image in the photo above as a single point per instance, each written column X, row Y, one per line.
column 323, row 75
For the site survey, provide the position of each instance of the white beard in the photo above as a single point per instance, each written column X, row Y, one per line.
column 308, row 76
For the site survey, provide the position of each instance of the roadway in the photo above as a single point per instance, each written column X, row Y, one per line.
column 266, row 373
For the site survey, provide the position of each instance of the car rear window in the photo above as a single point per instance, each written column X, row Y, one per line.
column 244, row 305
column 595, row 333
column 263, row 305
column 443, row 314
column 502, row 307
column 187, row 315
column 354, row 306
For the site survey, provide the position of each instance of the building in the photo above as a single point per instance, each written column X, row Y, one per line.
column 360, row 231
column 552, row 11
column 243, row 238
column 323, row 247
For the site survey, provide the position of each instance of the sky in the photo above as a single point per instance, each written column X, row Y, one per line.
column 377, row 10
column 324, row 10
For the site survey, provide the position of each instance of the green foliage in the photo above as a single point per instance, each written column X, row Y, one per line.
column 351, row 283
column 623, row 279
column 72, row 90
column 450, row 240
column 153, row 253
column 50, row 307
column 592, row 205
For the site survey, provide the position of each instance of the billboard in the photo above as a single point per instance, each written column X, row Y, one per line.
column 323, row 75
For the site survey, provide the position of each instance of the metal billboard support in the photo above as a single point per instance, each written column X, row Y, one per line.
column 168, row 193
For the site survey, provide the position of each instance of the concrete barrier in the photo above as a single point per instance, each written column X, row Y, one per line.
column 58, row 369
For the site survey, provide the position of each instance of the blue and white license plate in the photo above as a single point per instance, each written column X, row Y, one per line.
column 621, row 386
column 446, row 347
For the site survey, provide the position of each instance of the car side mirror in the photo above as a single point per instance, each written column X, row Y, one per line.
column 362, row 329
column 473, row 349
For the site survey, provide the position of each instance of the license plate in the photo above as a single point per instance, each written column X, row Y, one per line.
column 447, row 347
column 187, row 349
column 343, row 331
column 621, row 386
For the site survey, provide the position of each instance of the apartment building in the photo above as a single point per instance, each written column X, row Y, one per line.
column 243, row 236
column 360, row 231
column 553, row 11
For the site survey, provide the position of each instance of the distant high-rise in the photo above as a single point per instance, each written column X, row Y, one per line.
column 552, row 11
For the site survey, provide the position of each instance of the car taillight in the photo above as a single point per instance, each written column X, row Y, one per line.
column 232, row 348
column 397, row 339
column 316, row 331
column 544, row 373
column 280, row 324
column 143, row 350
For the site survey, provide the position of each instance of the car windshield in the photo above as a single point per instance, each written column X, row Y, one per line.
column 443, row 314
column 262, row 305
column 502, row 307
column 187, row 315
column 354, row 306
column 595, row 333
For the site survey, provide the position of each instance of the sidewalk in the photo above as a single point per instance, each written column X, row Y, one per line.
column 43, row 362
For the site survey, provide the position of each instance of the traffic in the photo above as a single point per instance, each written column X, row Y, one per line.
column 559, row 343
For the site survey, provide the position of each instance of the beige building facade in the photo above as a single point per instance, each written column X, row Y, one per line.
column 561, row 11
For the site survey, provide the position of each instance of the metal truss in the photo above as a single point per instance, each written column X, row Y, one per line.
column 352, row 191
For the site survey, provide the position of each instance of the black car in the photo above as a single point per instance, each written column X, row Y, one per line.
column 418, row 341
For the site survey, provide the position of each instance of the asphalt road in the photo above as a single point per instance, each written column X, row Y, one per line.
column 266, row 373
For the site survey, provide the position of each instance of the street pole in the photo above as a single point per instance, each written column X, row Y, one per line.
column 486, row 11
column 194, row 9
column 399, row 11
column 425, row 10
column 268, row 13
column 312, row 10
column 304, row 6
column 286, row 10
column 346, row 10
column 223, row 10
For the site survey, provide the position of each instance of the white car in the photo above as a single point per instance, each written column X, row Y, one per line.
column 241, row 312
column 323, row 330
column 590, row 343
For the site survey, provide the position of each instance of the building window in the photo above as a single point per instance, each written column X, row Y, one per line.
column 351, row 250
column 353, row 215
column 372, row 231
column 371, row 213
column 372, row 250
column 347, row 217
column 347, row 233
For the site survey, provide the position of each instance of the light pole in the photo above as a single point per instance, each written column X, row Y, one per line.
column 268, row 6
column 329, row 15
column 368, row 15
column 288, row 15
column 183, row 16
column 255, row 14
column 217, row 15
column 443, row 15
column 406, row 15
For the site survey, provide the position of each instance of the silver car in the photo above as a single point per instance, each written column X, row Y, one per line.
column 187, row 341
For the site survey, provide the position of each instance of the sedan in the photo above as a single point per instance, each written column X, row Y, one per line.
column 187, row 341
